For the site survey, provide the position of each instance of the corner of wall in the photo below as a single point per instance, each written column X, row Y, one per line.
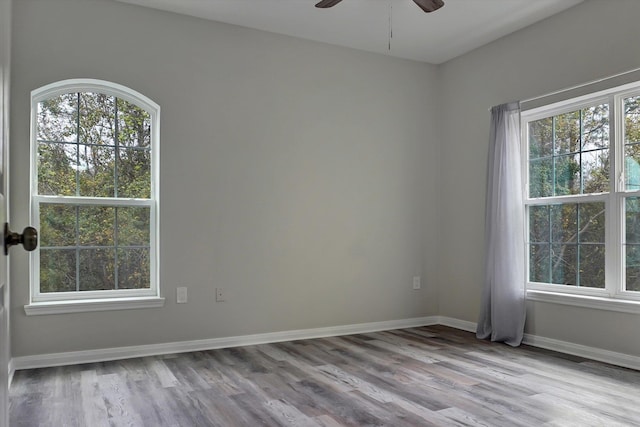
column 440, row 138
column 12, row 370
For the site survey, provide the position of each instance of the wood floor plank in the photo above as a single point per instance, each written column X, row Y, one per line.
column 118, row 401
column 327, row 421
column 343, row 407
column 93, row 407
column 288, row 414
column 427, row 376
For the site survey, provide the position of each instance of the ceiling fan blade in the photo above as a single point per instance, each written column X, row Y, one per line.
column 323, row 4
column 428, row 5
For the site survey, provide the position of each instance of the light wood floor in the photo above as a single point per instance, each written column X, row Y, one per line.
column 429, row 376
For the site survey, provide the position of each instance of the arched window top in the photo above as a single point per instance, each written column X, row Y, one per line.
column 99, row 86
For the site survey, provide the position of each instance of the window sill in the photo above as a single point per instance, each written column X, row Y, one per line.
column 87, row 305
column 600, row 303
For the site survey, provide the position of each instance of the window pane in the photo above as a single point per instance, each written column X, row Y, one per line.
column 57, row 118
column 595, row 149
column 539, row 224
column 133, row 226
column 564, row 223
column 577, row 244
column 632, row 246
column 134, row 173
column 632, row 259
column 540, row 178
column 595, row 171
column 96, row 225
column 567, row 127
column 97, row 269
column 632, row 220
column 632, row 140
column 57, row 164
column 97, row 119
column 57, row 225
column 541, row 138
column 592, row 222
column 592, row 266
column 579, row 160
column 134, row 125
column 564, row 263
column 567, row 175
column 57, row 270
column 96, row 171
column 539, row 263
column 632, row 120
column 595, row 127
column 133, row 268
column 632, row 166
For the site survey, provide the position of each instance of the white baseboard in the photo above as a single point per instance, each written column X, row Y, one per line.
column 594, row 353
column 599, row 354
column 463, row 325
column 102, row 355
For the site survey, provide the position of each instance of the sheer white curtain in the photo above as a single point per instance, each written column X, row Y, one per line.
column 503, row 308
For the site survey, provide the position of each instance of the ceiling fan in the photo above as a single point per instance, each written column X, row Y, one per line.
column 426, row 5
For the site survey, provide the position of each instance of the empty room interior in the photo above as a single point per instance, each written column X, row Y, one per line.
column 261, row 212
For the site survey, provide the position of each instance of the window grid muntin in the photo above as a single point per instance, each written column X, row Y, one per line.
column 38, row 296
column 553, row 241
column 542, row 113
column 81, row 144
column 153, row 111
column 557, row 153
column 626, row 245
column 78, row 246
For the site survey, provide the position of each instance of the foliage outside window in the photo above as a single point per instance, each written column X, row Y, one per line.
column 583, row 195
column 94, row 162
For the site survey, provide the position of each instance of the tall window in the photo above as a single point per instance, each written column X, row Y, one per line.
column 583, row 195
column 94, row 192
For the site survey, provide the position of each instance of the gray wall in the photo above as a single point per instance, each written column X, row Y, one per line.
column 314, row 171
column 592, row 40
column 300, row 177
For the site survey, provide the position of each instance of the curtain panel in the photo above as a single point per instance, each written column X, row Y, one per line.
column 503, row 311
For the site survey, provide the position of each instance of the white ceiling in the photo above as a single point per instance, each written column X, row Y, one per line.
column 459, row 27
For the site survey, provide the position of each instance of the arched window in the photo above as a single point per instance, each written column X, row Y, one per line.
column 94, row 193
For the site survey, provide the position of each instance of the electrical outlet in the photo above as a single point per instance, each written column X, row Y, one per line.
column 220, row 295
column 181, row 295
column 416, row 282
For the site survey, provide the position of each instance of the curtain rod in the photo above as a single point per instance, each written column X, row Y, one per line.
column 570, row 88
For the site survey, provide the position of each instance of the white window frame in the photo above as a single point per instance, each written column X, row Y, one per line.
column 64, row 302
column 613, row 297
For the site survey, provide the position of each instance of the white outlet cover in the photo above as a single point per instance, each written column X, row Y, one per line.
column 416, row 282
column 181, row 295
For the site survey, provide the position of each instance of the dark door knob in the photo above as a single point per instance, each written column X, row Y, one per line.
column 28, row 239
